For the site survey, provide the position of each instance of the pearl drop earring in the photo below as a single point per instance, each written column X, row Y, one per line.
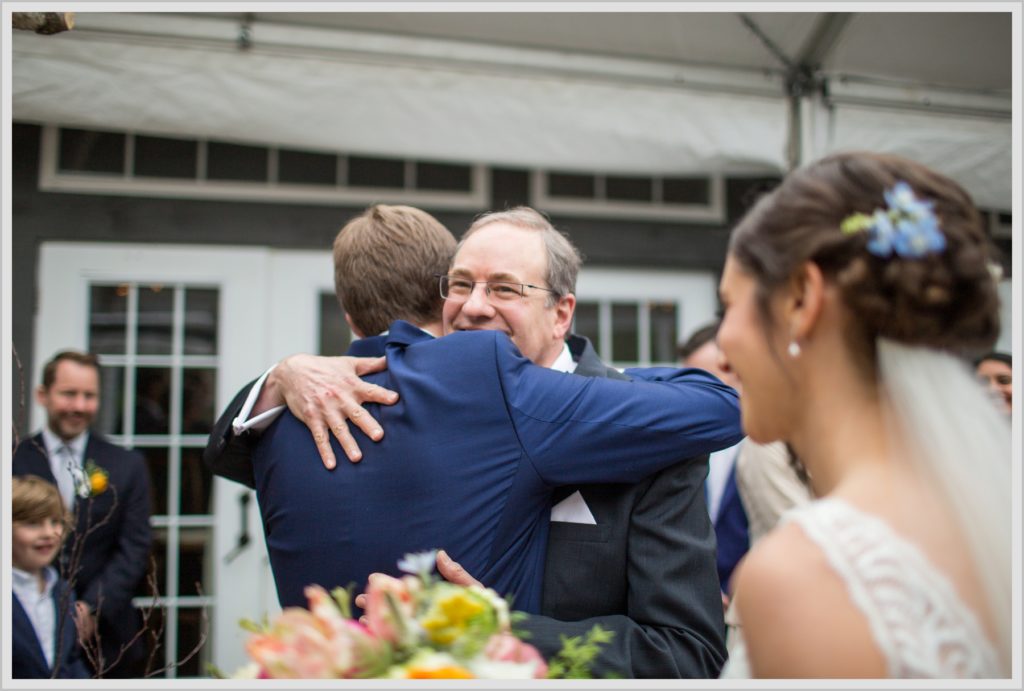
column 794, row 349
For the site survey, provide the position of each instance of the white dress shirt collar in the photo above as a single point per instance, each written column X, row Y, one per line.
column 564, row 361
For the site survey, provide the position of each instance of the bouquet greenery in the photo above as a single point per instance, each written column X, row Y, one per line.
column 415, row 627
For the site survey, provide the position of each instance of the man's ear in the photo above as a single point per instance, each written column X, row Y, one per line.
column 41, row 395
column 564, row 310
column 804, row 301
column 353, row 328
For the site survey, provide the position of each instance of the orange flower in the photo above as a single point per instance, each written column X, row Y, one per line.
column 446, row 672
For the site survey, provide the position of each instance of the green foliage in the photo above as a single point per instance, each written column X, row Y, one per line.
column 573, row 661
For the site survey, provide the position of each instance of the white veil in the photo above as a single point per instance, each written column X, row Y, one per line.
column 964, row 442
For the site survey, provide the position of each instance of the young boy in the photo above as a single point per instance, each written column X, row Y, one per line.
column 44, row 639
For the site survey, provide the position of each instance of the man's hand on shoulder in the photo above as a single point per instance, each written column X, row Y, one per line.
column 324, row 392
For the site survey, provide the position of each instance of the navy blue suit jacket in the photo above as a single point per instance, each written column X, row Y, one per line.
column 27, row 659
column 731, row 531
column 471, row 453
column 114, row 557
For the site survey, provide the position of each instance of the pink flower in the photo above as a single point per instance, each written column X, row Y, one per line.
column 391, row 622
column 504, row 647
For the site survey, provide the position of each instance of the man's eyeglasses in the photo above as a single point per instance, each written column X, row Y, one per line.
column 459, row 289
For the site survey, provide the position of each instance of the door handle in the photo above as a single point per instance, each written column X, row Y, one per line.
column 243, row 534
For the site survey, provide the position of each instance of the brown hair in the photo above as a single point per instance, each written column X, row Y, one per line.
column 34, row 499
column 385, row 263
column 50, row 368
column 946, row 300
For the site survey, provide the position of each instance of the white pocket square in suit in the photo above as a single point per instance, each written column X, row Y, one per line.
column 572, row 509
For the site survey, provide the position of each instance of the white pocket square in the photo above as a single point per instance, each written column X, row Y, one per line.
column 572, row 509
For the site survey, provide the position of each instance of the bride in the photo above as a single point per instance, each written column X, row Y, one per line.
column 852, row 294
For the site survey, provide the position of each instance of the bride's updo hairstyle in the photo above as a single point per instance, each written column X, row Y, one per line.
column 945, row 299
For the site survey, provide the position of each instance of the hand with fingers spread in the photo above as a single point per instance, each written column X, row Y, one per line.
column 324, row 392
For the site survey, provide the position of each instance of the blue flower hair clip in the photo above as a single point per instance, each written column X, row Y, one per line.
column 907, row 227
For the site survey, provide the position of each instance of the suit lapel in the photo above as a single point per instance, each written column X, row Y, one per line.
column 20, row 622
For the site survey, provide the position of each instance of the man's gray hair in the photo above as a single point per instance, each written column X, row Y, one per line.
column 564, row 259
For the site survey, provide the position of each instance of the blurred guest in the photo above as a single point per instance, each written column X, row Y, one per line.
column 995, row 370
column 107, row 489
column 44, row 638
column 724, row 502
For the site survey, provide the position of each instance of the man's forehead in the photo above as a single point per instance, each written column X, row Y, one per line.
column 490, row 246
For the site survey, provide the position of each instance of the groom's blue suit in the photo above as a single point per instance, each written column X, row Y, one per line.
column 475, row 445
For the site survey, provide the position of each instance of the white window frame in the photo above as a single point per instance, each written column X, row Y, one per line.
column 712, row 212
column 52, row 179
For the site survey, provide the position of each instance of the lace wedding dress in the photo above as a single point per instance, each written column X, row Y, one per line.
column 915, row 615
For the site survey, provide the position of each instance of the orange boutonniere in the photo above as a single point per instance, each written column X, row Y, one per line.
column 98, row 478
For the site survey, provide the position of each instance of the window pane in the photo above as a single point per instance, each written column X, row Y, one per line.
column 152, row 400
column 190, row 634
column 663, row 331
column 196, row 483
column 686, row 190
column 587, row 324
column 156, row 316
column 108, row 309
column 195, row 575
column 443, row 176
column 625, row 332
column 198, row 393
column 165, row 157
column 159, row 557
column 635, row 189
column 335, row 336
column 156, row 462
column 110, row 418
column 236, row 162
column 306, row 167
column 376, row 172
column 155, row 638
column 571, row 185
column 201, row 313
column 91, row 151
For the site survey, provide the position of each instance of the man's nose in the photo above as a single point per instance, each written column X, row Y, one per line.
column 478, row 303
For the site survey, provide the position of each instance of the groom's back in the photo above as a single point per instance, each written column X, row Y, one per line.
column 449, row 473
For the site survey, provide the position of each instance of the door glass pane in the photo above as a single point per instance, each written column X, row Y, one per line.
column 201, row 321
column 152, row 400
column 110, row 418
column 625, row 332
column 196, row 483
column 199, row 391
column 192, row 625
column 586, row 323
column 156, row 316
column 156, row 461
column 193, row 576
column 335, row 336
column 108, row 309
column 663, row 331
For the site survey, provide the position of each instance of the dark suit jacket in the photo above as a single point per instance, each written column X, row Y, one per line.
column 114, row 556
column 472, row 450
column 731, row 531
column 645, row 571
column 27, row 658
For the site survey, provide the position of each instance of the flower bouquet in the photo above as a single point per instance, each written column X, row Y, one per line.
column 415, row 627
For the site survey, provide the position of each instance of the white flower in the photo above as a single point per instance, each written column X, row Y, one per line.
column 418, row 562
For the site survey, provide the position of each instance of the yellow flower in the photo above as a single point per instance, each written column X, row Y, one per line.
column 447, row 672
column 450, row 616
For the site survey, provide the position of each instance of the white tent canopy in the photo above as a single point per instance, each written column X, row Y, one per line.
column 648, row 93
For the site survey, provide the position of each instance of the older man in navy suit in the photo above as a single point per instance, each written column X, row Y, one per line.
column 106, row 555
column 637, row 557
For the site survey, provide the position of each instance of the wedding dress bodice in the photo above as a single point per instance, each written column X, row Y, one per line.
column 916, row 617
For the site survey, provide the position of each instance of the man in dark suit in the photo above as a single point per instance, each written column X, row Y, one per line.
column 107, row 489
column 637, row 558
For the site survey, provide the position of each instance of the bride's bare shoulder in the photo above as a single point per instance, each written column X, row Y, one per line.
column 796, row 612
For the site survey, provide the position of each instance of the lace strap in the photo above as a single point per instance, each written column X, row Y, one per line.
column 918, row 621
